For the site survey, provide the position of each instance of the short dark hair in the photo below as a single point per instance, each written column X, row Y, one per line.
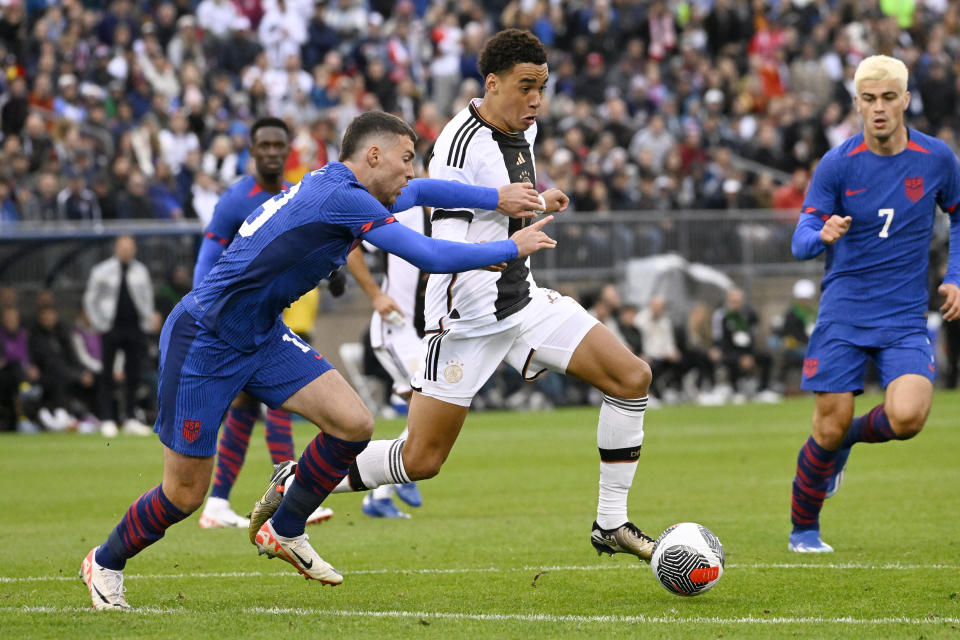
column 510, row 47
column 268, row 122
column 369, row 124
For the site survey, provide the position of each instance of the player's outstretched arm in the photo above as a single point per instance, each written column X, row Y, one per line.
column 442, row 256
column 445, row 194
column 382, row 303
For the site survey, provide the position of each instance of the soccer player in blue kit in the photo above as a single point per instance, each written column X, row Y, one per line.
column 226, row 335
column 269, row 148
column 871, row 207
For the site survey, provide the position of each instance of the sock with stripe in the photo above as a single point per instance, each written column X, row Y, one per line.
column 322, row 465
column 814, row 468
column 144, row 523
column 619, row 438
column 280, row 436
column 873, row 426
column 232, row 449
column 380, row 463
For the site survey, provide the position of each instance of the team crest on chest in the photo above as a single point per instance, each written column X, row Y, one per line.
column 913, row 188
column 453, row 372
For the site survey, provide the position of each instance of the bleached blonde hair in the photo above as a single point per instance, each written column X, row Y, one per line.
column 881, row 68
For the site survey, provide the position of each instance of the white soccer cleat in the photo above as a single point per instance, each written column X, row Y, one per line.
column 105, row 585
column 218, row 514
column 808, row 542
column 108, row 429
column 320, row 515
column 298, row 552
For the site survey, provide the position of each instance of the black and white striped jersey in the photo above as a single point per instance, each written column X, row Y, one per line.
column 473, row 151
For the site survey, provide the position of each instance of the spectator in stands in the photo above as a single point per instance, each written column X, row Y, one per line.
column 794, row 332
column 788, row 198
column 695, row 342
column 77, row 201
column 133, row 200
column 735, row 334
column 19, row 377
column 68, row 388
column 660, row 348
column 119, row 302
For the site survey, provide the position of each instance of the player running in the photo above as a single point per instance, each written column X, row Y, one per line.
column 226, row 335
column 478, row 319
column 871, row 207
column 269, row 147
column 396, row 336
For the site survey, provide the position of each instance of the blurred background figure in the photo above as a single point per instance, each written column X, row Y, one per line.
column 119, row 303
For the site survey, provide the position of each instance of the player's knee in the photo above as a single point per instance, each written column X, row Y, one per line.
column 633, row 382
column 907, row 424
column 422, row 466
column 358, row 427
column 829, row 433
column 186, row 497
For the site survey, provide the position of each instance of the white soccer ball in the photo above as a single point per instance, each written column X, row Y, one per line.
column 687, row 559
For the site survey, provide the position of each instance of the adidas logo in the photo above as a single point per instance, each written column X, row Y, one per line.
column 520, row 159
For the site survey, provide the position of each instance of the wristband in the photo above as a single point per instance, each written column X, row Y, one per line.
column 543, row 203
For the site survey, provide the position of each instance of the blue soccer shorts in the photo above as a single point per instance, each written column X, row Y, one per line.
column 837, row 356
column 200, row 375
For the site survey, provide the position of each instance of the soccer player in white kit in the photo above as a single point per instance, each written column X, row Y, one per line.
column 477, row 319
column 396, row 335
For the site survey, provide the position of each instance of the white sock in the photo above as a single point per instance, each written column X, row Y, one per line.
column 380, row 463
column 381, row 492
column 619, row 437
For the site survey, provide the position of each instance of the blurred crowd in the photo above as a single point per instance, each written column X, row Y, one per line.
column 141, row 108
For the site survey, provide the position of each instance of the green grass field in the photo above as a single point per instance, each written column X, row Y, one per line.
column 500, row 548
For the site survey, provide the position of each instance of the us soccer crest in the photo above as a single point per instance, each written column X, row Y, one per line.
column 453, row 372
column 914, row 188
column 191, row 430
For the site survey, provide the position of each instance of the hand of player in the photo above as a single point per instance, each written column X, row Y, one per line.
column 556, row 200
column 518, row 200
column 531, row 239
column 951, row 308
column 835, row 228
column 337, row 283
column 384, row 304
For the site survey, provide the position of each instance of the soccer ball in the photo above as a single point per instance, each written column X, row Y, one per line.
column 687, row 559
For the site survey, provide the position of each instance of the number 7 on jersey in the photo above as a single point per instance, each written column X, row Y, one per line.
column 885, row 232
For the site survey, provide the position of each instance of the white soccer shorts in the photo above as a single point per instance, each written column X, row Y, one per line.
column 400, row 353
column 456, row 364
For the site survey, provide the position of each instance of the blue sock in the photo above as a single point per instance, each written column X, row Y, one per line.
column 873, row 426
column 322, row 466
column 144, row 523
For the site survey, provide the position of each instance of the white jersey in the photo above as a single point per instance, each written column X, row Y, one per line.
column 403, row 282
column 471, row 150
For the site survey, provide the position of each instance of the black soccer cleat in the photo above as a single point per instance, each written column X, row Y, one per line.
column 626, row 538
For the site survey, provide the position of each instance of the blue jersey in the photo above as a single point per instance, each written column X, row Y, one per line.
column 233, row 207
column 876, row 274
column 297, row 238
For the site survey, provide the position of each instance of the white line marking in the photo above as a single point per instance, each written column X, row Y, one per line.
column 841, row 566
column 514, row 617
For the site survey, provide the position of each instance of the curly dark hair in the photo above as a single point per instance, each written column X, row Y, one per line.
column 510, row 47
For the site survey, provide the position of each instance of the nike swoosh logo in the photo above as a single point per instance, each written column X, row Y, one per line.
column 851, row 192
column 306, row 564
column 102, row 597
